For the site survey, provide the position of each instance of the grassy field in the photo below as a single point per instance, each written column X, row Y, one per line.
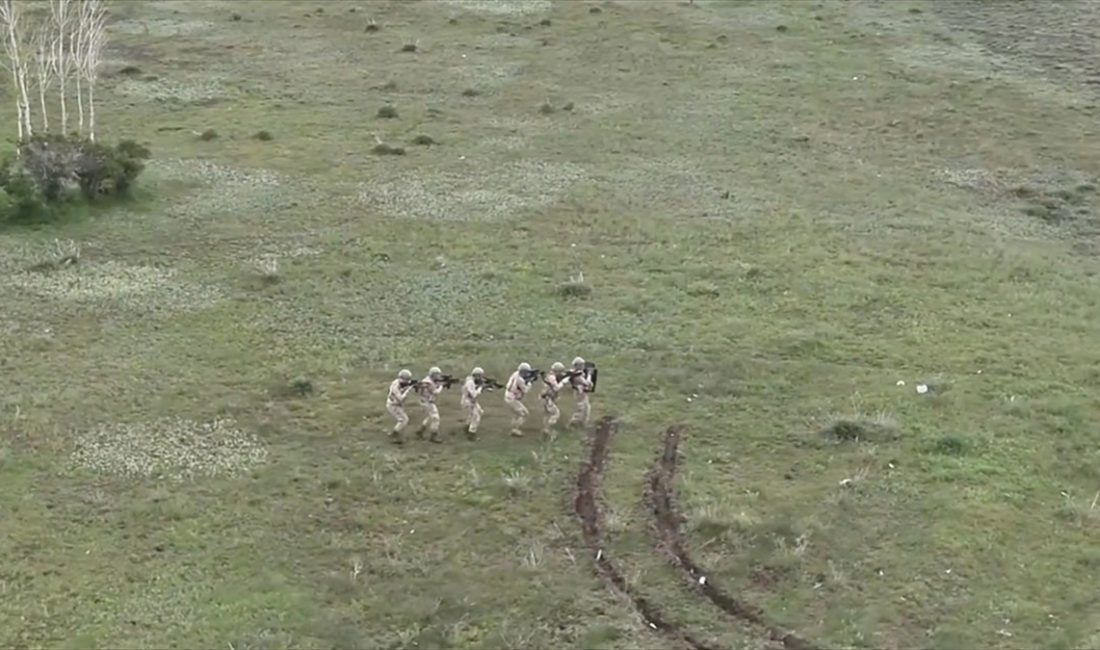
column 788, row 216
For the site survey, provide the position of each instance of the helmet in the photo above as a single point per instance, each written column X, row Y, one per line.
column 435, row 371
column 525, row 367
column 578, row 362
column 477, row 372
column 405, row 374
column 558, row 366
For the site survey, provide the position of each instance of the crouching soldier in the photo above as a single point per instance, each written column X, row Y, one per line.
column 471, row 390
column 430, row 388
column 554, row 382
column 514, row 393
column 581, row 385
column 395, row 403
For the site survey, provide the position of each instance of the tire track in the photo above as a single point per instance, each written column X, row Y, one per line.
column 586, row 505
column 667, row 520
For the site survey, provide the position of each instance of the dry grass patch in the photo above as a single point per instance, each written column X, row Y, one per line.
column 503, row 7
column 198, row 90
column 173, row 448
column 481, row 196
column 110, row 281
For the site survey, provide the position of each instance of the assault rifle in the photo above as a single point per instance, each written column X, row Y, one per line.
column 589, row 371
column 489, row 384
column 446, row 380
column 530, row 376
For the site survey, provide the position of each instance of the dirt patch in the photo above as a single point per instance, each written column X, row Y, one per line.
column 588, row 509
column 667, row 523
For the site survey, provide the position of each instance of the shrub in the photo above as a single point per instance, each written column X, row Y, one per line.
column 207, row 135
column 424, row 140
column 383, row 149
column 263, row 135
column 51, row 170
column 387, row 112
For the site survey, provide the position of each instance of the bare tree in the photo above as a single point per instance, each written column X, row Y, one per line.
column 93, row 36
column 76, row 53
column 43, row 67
column 61, row 18
column 11, row 21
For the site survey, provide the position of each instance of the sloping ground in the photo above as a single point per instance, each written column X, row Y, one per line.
column 1055, row 39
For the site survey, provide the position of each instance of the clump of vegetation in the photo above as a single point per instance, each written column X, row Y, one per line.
column 547, row 108
column 861, row 428
column 387, row 112
column 424, row 140
column 371, row 26
column 235, row 17
column 576, row 287
column 1056, row 206
column 60, row 254
column 208, row 135
column 263, row 135
column 471, row 92
column 130, row 71
column 390, row 85
column 545, row 22
column 383, row 149
column 300, row 387
column 48, row 172
column 568, row 107
column 410, row 47
column 951, row 446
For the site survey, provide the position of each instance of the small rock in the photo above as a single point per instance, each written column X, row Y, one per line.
column 922, row 389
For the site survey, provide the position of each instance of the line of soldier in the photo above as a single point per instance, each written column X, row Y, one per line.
column 580, row 378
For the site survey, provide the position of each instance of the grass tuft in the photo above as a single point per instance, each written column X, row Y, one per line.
column 861, row 428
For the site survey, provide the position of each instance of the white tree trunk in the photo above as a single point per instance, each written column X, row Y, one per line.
column 18, row 104
column 42, row 104
column 80, row 105
column 28, row 128
column 64, row 113
column 13, row 46
column 91, row 111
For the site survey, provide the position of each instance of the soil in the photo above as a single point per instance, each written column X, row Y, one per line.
column 660, row 496
column 587, row 507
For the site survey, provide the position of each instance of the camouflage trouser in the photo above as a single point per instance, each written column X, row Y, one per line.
column 520, row 414
column 398, row 413
column 550, row 405
column 431, row 421
column 581, row 411
column 473, row 415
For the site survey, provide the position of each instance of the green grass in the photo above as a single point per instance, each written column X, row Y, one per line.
column 774, row 227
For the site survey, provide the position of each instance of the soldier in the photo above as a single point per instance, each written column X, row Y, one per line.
column 513, row 397
column 580, row 384
column 430, row 387
column 554, row 385
column 471, row 390
column 395, row 403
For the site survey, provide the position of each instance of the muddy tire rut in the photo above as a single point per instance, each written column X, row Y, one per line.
column 588, row 509
column 660, row 496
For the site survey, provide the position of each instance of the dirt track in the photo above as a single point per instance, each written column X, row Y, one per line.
column 667, row 524
column 587, row 507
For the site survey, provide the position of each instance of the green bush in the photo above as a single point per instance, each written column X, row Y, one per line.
column 48, row 172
